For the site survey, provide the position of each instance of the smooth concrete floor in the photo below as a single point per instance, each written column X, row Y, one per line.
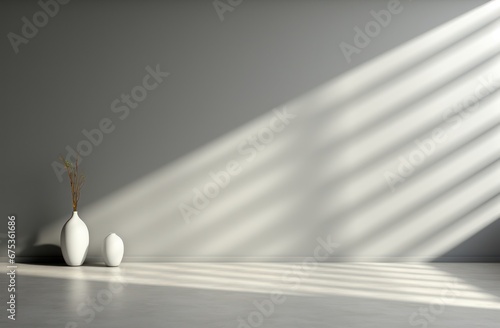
column 346, row 295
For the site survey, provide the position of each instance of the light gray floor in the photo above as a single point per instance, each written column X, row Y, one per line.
column 346, row 295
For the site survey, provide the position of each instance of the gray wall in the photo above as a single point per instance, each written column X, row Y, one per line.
column 322, row 175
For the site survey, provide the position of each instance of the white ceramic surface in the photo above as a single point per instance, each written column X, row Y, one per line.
column 74, row 241
column 112, row 250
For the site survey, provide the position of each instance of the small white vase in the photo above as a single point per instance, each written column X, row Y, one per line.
column 74, row 241
column 112, row 250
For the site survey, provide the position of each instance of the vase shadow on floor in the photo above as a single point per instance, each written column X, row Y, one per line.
column 94, row 264
column 46, row 254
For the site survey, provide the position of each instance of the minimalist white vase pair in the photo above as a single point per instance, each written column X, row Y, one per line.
column 75, row 244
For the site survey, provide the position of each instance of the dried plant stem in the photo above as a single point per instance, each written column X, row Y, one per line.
column 76, row 180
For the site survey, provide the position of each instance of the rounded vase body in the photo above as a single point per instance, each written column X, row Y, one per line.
column 74, row 241
column 112, row 250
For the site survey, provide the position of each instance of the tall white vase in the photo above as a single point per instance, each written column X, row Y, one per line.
column 74, row 241
column 112, row 250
